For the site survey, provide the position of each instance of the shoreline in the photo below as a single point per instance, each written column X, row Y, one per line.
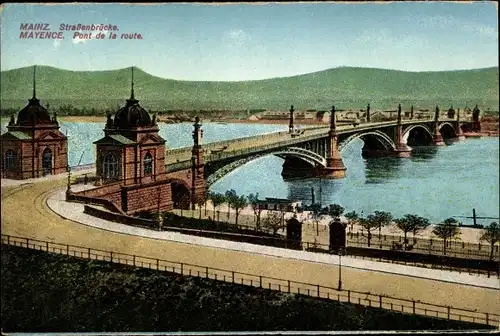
column 102, row 119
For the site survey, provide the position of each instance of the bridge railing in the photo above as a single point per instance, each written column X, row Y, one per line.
column 367, row 299
column 263, row 148
column 214, row 145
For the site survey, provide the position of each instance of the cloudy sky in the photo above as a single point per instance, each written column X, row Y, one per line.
column 243, row 41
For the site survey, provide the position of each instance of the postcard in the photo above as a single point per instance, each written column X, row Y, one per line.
column 249, row 167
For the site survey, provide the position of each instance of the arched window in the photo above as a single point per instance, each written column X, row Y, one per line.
column 148, row 164
column 10, row 160
column 110, row 166
column 47, row 161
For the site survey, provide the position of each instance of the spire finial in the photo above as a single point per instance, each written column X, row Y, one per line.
column 132, row 90
column 34, row 82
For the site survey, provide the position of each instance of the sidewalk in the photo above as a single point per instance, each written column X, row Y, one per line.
column 10, row 182
column 74, row 211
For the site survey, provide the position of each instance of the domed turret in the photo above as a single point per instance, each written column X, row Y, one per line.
column 132, row 114
column 33, row 113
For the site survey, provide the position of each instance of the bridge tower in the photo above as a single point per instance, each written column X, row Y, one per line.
column 460, row 133
column 198, row 183
column 334, row 165
column 437, row 137
column 290, row 126
column 402, row 149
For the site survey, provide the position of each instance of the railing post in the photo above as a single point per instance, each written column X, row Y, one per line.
column 27, row 242
column 233, row 275
column 182, row 269
column 487, row 318
column 158, row 264
column 89, row 252
column 47, row 246
column 349, row 295
column 288, row 286
column 448, row 309
column 260, row 281
column 318, row 290
column 67, row 249
column 111, row 256
column 8, row 240
column 206, row 272
column 380, row 300
column 133, row 259
column 413, row 306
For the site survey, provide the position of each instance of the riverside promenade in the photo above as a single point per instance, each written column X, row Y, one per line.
column 37, row 210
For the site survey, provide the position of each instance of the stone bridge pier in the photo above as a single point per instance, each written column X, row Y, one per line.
column 335, row 168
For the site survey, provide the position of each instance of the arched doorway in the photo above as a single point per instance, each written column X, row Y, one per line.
column 180, row 196
column 47, row 162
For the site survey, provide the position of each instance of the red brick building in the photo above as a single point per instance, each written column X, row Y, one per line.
column 130, row 166
column 33, row 145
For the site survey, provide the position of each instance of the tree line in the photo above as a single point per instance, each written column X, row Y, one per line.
column 413, row 224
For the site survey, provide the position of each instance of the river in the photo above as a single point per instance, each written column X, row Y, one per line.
column 436, row 182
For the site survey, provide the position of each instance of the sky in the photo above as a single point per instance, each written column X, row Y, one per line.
column 234, row 42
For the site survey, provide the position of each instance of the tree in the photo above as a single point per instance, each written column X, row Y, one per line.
column 492, row 235
column 335, row 210
column 200, row 202
column 447, row 230
column 411, row 223
column 273, row 222
column 239, row 203
column 381, row 218
column 230, row 197
column 217, row 200
column 369, row 224
column 352, row 217
column 253, row 199
column 316, row 210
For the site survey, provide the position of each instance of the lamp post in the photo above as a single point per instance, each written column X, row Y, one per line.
column 68, row 189
column 340, row 252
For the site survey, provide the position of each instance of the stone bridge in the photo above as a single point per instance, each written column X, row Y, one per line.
column 310, row 151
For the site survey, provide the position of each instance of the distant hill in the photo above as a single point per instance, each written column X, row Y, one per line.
column 346, row 87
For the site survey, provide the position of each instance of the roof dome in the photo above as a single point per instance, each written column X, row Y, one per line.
column 33, row 114
column 132, row 115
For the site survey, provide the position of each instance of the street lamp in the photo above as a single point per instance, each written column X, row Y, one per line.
column 68, row 190
column 340, row 252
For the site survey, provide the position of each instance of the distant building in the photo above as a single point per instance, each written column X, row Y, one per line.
column 279, row 204
column 33, row 145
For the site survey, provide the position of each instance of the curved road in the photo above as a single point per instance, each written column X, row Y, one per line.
column 25, row 213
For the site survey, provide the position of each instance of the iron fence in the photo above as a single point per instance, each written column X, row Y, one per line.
column 313, row 290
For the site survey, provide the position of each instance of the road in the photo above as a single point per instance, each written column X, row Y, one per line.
column 25, row 213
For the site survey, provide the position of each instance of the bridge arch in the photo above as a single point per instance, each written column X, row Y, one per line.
column 447, row 130
column 307, row 156
column 372, row 140
column 417, row 135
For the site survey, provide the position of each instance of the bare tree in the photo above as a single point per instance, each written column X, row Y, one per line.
column 273, row 222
